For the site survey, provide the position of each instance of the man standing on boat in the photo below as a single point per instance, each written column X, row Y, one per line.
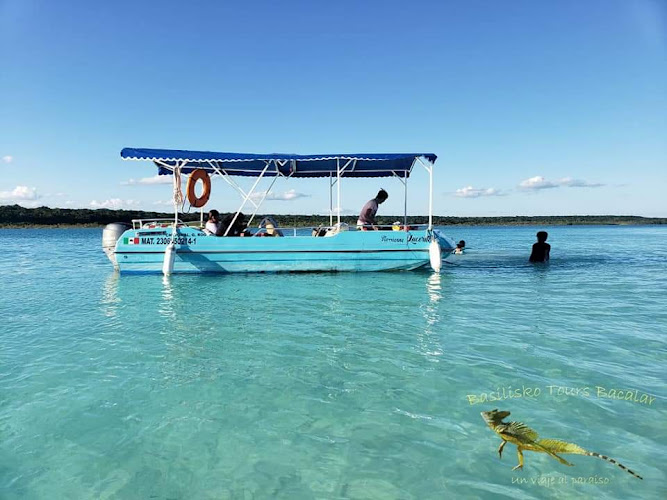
column 367, row 215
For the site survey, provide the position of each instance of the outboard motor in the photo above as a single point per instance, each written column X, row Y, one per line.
column 110, row 236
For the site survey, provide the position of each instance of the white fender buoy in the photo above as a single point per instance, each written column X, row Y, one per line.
column 435, row 255
column 169, row 257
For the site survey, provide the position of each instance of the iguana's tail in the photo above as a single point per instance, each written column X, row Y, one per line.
column 603, row 457
column 556, row 446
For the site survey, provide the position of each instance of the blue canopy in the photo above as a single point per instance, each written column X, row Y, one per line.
column 250, row 164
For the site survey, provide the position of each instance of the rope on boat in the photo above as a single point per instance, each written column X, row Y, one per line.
column 178, row 191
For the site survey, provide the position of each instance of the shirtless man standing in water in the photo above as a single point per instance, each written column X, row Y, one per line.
column 541, row 249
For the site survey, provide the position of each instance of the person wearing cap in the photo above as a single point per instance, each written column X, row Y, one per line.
column 367, row 215
column 269, row 224
column 213, row 223
column 270, row 229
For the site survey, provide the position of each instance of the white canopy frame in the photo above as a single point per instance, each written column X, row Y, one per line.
column 349, row 165
column 246, row 198
column 177, row 194
column 424, row 162
column 404, row 181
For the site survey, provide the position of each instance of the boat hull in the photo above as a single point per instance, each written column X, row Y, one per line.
column 143, row 251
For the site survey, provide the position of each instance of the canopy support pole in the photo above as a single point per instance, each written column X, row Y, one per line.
column 266, row 193
column 430, row 197
column 338, row 188
column 405, row 203
column 404, row 181
column 429, row 168
column 247, row 197
column 330, row 200
column 170, row 250
column 238, row 188
column 228, row 179
column 339, row 171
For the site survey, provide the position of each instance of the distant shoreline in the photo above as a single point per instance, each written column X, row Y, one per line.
column 17, row 217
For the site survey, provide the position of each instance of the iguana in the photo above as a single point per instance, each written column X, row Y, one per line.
column 526, row 438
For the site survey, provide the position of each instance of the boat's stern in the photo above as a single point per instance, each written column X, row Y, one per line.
column 447, row 245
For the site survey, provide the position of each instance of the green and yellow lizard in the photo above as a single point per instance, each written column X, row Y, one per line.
column 526, row 438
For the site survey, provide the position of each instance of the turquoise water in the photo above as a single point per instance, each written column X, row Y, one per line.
column 333, row 385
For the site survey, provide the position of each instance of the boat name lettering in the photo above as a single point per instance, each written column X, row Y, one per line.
column 152, row 233
column 393, row 240
column 418, row 239
column 165, row 240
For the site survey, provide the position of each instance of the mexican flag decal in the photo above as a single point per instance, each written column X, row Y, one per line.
column 130, row 241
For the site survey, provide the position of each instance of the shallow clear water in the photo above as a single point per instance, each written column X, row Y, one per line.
column 333, row 385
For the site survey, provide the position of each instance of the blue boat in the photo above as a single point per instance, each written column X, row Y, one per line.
column 171, row 246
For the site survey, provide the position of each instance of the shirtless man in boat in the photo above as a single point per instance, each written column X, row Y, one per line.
column 367, row 215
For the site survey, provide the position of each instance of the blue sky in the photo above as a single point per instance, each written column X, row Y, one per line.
column 533, row 108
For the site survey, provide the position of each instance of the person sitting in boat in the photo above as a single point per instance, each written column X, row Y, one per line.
column 541, row 249
column 460, row 246
column 367, row 215
column 270, row 225
column 213, row 223
column 238, row 225
column 319, row 231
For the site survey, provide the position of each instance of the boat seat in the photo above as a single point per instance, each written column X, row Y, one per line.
column 339, row 227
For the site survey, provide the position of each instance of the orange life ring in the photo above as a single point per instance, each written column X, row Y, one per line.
column 196, row 175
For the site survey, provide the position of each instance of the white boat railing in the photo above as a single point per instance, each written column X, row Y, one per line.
column 153, row 223
column 320, row 230
column 323, row 230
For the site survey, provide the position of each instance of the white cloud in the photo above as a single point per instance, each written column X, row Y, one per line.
column 570, row 182
column 115, row 204
column 285, row 196
column 537, row 182
column 471, row 192
column 343, row 211
column 20, row 193
column 7, row 159
column 156, row 179
column 30, row 204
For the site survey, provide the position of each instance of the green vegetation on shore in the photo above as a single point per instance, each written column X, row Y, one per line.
column 17, row 216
